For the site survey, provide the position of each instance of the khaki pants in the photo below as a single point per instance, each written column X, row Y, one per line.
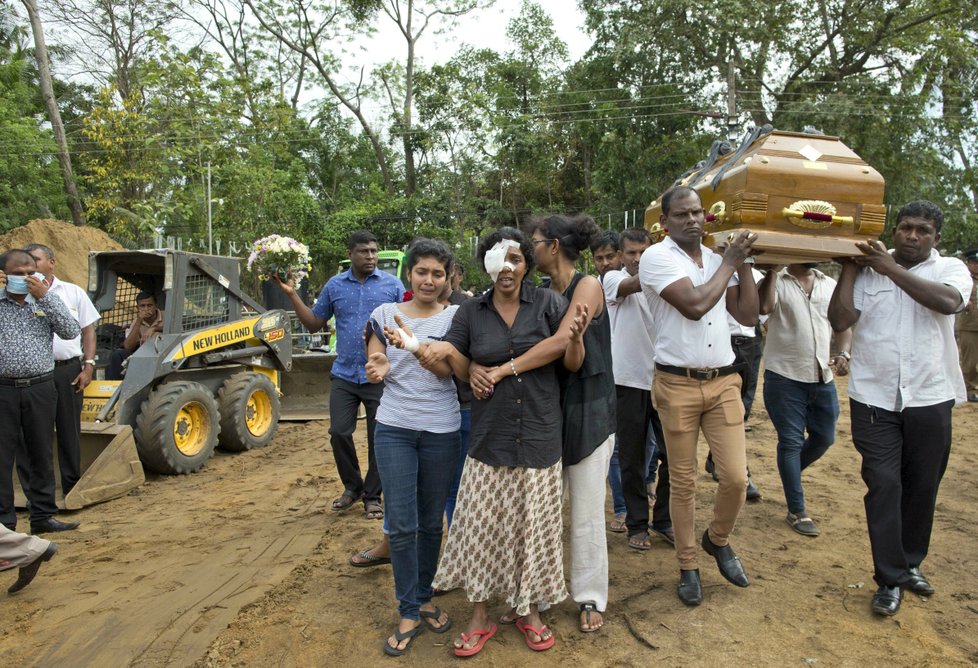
column 685, row 406
column 968, row 348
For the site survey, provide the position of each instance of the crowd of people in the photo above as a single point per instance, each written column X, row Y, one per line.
column 496, row 409
column 486, row 412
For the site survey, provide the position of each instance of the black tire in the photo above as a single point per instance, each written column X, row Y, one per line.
column 177, row 428
column 250, row 410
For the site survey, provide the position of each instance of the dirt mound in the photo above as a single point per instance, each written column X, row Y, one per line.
column 70, row 245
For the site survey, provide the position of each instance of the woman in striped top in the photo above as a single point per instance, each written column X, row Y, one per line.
column 416, row 438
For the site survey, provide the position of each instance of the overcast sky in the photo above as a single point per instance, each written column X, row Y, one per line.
column 484, row 29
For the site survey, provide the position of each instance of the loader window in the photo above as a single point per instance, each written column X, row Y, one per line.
column 205, row 303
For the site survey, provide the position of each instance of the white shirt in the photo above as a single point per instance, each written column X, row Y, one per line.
column 736, row 329
column 632, row 334
column 903, row 353
column 798, row 332
column 692, row 344
column 610, row 303
column 81, row 308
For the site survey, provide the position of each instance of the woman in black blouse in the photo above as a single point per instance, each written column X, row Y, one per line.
column 506, row 535
column 588, row 407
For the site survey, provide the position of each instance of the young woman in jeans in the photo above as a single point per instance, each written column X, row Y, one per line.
column 416, row 438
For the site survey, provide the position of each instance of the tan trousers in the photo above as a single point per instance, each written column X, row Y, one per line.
column 685, row 406
column 968, row 348
column 19, row 549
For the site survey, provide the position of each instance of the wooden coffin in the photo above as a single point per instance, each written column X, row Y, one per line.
column 809, row 198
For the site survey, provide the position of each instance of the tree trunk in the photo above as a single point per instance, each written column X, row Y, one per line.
column 410, row 182
column 47, row 92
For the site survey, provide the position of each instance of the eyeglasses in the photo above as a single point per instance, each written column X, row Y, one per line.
column 541, row 241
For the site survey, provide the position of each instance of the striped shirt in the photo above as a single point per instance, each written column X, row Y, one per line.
column 414, row 398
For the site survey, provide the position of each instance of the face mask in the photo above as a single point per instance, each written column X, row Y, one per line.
column 17, row 285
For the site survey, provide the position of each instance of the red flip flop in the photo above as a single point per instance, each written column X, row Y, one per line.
column 475, row 649
column 525, row 629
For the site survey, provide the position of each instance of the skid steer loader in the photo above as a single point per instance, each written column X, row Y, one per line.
column 210, row 379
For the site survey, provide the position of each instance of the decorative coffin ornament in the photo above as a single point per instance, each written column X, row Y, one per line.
column 808, row 197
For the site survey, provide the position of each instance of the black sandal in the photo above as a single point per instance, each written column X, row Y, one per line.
column 401, row 637
column 587, row 609
column 372, row 510
column 431, row 618
column 345, row 500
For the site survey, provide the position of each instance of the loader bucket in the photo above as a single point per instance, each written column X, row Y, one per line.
column 110, row 465
column 305, row 389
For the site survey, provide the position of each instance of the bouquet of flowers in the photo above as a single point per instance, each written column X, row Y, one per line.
column 280, row 256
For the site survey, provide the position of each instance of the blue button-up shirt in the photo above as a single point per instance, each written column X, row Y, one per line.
column 352, row 302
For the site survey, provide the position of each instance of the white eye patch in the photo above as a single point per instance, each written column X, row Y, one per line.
column 495, row 260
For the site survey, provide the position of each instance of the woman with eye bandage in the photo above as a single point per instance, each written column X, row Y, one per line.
column 506, row 536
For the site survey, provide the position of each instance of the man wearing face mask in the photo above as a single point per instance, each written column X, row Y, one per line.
column 29, row 319
column 799, row 392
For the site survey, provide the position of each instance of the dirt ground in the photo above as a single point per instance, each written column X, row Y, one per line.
column 243, row 564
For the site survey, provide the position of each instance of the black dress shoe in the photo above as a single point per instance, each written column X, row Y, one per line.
column 28, row 572
column 918, row 583
column 690, row 591
column 711, row 467
column 886, row 601
column 727, row 561
column 753, row 494
column 50, row 525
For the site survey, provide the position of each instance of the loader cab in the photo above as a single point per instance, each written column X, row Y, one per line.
column 116, row 277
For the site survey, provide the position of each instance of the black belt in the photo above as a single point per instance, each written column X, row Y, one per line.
column 73, row 360
column 698, row 374
column 27, row 382
column 740, row 339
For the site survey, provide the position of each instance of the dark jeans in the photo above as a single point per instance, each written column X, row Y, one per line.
column 344, row 402
column 795, row 408
column 904, row 458
column 28, row 411
column 463, row 450
column 747, row 351
column 417, row 468
column 68, row 423
column 614, row 482
column 635, row 415
column 114, row 370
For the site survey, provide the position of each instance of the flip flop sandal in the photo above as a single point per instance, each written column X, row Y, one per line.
column 401, row 637
column 587, row 609
column 367, row 560
column 345, row 500
column 503, row 619
column 668, row 536
column 372, row 510
column 475, row 649
column 431, row 618
column 643, row 545
column 540, row 645
column 617, row 525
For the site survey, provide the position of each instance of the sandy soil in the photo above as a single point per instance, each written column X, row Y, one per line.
column 243, row 564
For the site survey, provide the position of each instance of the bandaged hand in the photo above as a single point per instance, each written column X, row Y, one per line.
column 402, row 337
column 377, row 367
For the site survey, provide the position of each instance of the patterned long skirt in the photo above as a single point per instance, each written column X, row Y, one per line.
column 505, row 538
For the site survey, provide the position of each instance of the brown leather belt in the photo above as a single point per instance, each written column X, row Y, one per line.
column 27, row 382
column 698, row 374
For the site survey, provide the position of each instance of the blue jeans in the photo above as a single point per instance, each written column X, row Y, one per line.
column 614, row 481
column 463, row 450
column 651, row 456
column 416, row 469
column 795, row 407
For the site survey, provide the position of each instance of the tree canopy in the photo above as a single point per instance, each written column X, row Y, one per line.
column 300, row 138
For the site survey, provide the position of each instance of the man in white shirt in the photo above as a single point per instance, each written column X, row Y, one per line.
column 74, row 364
column 799, row 392
column 690, row 289
column 905, row 380
column 632, row 350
